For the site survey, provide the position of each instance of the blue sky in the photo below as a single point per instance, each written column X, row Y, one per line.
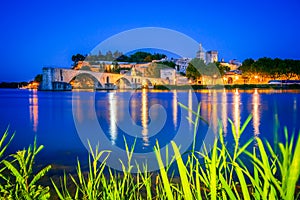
column 47, row 33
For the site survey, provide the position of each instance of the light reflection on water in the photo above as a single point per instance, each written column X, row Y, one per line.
column 175, row 108
column 236, row 110
column 224, row 111
column 113, row 115
column 34, row 110
column 144, row 117
column 49, row 115
column 256, row 112
column 211, row 100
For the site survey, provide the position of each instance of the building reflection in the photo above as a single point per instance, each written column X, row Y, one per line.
column 34, row 109
column 175, row 108
column 224, row 112
column 145, row 117
column 112, row 99
column 190, row 106
column 256, row 112
column 214, row 116
column 209, row 105
column 133, row 108
column 236, row 110
column 79, row 113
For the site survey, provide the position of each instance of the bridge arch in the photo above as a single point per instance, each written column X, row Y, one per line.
column 85, row 81
column 146, row 83
column 123, row 83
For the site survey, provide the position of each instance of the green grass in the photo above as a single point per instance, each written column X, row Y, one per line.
column 216, row 174
column 18, row 181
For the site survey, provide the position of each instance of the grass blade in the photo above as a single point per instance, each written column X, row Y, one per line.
column 163, row 173
column 182, row 171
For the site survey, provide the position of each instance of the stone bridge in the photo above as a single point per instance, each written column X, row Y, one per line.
column 60, row 79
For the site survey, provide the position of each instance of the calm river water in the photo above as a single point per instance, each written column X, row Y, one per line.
column 59, row 119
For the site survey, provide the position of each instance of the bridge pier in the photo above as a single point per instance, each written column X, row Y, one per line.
column 49, row 83
column 47, row 80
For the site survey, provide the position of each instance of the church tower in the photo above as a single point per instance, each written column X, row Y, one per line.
column 200, row 53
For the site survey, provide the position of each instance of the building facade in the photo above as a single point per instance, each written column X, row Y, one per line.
column 211, row 56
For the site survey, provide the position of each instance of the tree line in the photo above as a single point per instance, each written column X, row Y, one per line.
column 138, row 57
column 263, row 67
column 271, row 68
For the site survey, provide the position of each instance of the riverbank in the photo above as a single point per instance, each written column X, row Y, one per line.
column 231, row 86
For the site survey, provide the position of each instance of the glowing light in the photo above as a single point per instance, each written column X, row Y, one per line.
column 190, row 105
column 256, row 113
column 144, row 83
column 214, row 112
column 145, row 117
column 236, row 110
column 34, row 110
column 133, row 110
column 113, row 117
column 224, row 111
column 175, row 111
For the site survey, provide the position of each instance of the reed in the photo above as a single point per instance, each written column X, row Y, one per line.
column 19, row 178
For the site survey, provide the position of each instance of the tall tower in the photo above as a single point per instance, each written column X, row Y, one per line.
column 200, row 53
column 211, row 57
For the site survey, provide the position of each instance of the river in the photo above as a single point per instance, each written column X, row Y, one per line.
column 62, row 120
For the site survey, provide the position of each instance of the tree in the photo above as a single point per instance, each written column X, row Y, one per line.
column 168, row 64
column 38, row 78
column 222, row 69
column 272, row 68
column 194, row 68
column 296, row 68
column 247, row 63
column 122, row 58
column 288, row 67
column 247, row 66
column 148, row 58
column 76, row 58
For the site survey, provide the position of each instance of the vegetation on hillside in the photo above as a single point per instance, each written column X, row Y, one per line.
column 197, row 68
column 137, row 57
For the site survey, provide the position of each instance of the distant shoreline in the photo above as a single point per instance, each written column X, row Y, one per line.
column 15, row 85
column 231, row 86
